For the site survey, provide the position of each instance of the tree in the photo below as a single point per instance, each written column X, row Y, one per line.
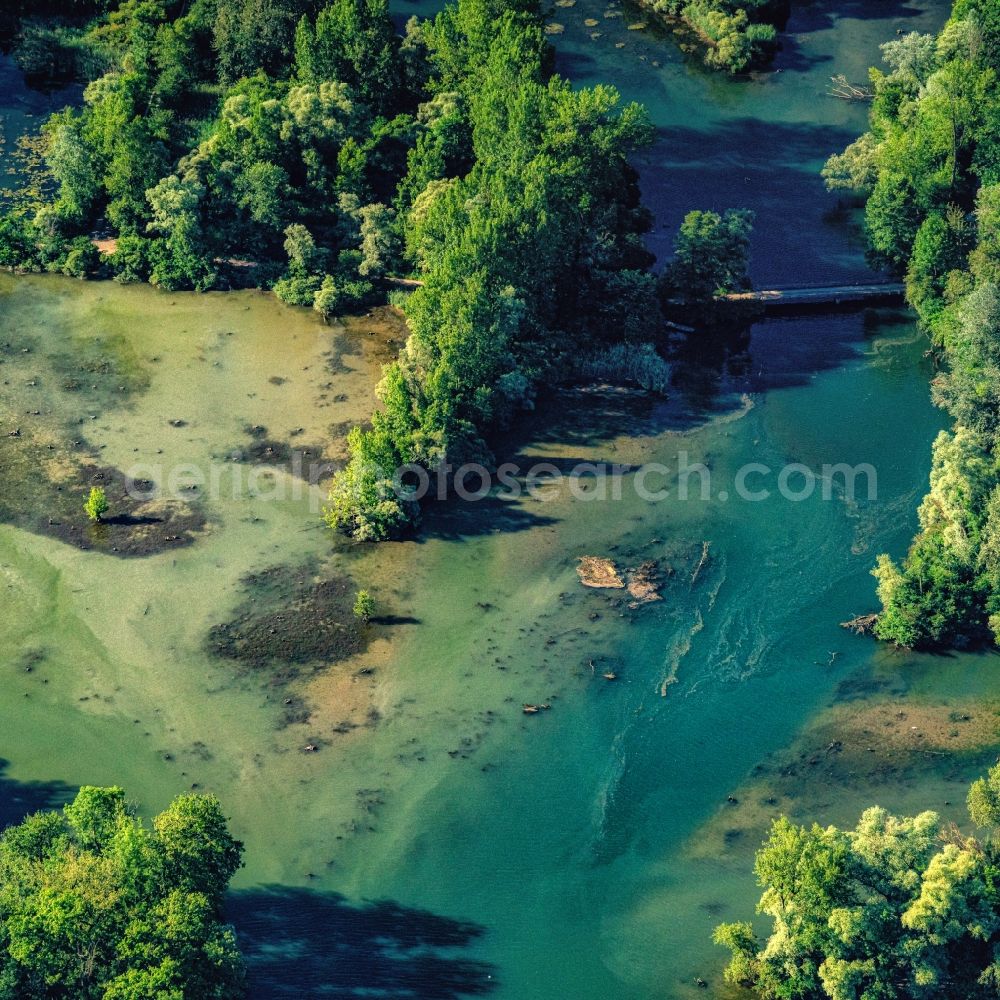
column 365, row 499
column 97, row 504
column 96, row 906
column 72, row 166
column 380, row 242
column 984, row 799
column 364, row 605
column 254, row 35
column 353, row 41
column 940, row 247
column 937, row 598
column 914, row 55
column 305, row 263
column 885, row 911
column 336, row 297
column 930, row 166
column 855, row 169
column 180, row 258
column 711, row 254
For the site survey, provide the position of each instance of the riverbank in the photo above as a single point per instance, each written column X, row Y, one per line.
column 501, row 845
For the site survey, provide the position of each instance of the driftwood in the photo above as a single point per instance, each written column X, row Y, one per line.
column 847, row 91
column 705, row 546
column 862, row 625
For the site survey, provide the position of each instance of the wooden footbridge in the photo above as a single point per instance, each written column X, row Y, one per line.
column 789, row 301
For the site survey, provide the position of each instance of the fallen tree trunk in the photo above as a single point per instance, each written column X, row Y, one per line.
column 862, row 625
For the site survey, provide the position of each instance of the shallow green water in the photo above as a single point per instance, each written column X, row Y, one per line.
column 545, row 856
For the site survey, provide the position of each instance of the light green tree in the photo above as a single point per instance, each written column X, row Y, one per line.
column 95, row 905
column 892, row 909
column 97, row 504
column 364, row 605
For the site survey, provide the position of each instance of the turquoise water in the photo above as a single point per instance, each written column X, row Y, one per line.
column 440, row 843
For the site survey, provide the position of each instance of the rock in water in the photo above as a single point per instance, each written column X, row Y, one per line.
column 597, row 572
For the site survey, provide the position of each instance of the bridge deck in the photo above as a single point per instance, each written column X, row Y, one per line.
column 806, row 299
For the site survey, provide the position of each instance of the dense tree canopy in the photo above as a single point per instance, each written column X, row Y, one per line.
column 930, row 170
column 711, row 256
column 530, row 256
column 94, row 905
column 896, row 909
column 307, row 147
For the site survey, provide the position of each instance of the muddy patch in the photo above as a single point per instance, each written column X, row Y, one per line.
column 46, row 486
column 292, row 620
column 308, row 462
column 49, row 467
column 104, row 368
column 385, row 326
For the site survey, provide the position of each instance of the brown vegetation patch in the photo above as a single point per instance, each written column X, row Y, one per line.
column 45, row 487
column 291, row 618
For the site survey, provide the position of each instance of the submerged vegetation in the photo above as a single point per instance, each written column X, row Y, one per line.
column 95, row 905
column 291, row 620
column 896, row 909
column 930, row 170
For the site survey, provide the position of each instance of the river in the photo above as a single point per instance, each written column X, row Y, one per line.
column 440, row 843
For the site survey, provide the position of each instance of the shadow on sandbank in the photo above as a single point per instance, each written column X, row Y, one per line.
column 304, row 944
column 130, row 520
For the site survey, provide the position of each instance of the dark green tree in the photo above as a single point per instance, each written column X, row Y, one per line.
column 711, row 254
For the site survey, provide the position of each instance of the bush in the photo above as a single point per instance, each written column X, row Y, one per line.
column 46, row 53
column 131, row 259
column 638, row 363
column 82, row 260
column 97, row 504
column 364, row 605
column 365, row 500
column 297, row 290
column 18, row 243
column 337, row 297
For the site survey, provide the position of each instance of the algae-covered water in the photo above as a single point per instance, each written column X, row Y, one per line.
column 438, row 842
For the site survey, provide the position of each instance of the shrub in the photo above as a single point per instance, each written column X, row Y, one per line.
column 97, row 504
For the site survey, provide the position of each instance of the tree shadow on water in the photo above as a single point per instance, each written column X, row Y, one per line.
column 457, row 518
column 19, row 799
column 310, row 945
